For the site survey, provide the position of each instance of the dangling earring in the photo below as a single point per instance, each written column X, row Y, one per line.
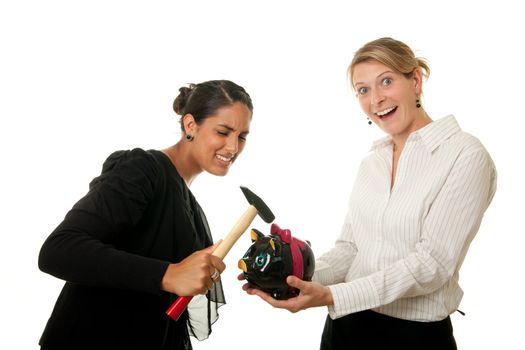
column 369, row 121
column 418, row 104
column 189, row 137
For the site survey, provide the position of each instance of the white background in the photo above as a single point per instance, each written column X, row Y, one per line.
column 79, row 80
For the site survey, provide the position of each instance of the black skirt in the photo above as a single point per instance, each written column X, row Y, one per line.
column 372, row 330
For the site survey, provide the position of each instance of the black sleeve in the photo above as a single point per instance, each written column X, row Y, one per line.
column 82, row 248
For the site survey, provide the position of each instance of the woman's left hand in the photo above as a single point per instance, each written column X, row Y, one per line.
column 312, row 294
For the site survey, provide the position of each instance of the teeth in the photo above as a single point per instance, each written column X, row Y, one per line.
column 223, row 158
column 383, row 112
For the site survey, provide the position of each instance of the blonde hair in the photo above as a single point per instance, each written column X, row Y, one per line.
column 392, row 53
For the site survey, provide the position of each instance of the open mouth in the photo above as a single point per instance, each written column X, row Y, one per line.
column 385, row 113
column 224, row 159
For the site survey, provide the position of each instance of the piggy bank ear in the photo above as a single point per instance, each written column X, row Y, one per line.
column 255, row 235
column 271, row 242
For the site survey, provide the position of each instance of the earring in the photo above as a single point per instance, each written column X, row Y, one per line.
column 418, row 104
column 189, row 137
column 369, row 121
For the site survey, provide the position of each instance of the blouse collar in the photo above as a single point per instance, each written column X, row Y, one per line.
column 431, row 135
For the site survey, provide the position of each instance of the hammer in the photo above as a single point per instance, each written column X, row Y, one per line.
column 257, row 206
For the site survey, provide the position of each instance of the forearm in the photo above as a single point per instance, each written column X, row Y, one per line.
column 332, row 266
column 417, row 274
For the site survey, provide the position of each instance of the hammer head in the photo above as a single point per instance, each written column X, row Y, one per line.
column 262, row 209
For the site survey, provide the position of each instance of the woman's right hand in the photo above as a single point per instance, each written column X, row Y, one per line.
column 192, row 275
column 312, row 294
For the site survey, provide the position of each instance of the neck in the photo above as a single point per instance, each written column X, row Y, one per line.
column 182, row 160
column 419, row 122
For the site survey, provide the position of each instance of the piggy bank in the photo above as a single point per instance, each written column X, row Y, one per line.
column 270, row 259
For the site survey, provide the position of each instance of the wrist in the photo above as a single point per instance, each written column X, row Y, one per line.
column 165, row 282
column 328, row 298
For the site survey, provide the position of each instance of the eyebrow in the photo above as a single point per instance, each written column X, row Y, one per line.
column 385, row 72
column 227, row 127
column 232, row 129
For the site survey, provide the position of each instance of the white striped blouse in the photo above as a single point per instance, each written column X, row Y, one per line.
column 400, row 249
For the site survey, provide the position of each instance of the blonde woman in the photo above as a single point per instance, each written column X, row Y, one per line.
column 391, row 280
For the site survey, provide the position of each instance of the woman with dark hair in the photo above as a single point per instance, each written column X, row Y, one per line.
column 138, row 238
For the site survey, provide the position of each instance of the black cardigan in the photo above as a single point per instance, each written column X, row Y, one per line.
column 113, row 248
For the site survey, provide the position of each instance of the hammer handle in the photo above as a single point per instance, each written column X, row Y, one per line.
column 177, row 308
column 235, row 233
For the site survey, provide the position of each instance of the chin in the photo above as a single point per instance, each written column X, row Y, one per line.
column 219, row 172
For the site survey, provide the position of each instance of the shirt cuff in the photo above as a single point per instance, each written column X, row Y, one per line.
column 353, row 297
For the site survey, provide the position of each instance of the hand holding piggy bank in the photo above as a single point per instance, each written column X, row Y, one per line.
column 270, row 259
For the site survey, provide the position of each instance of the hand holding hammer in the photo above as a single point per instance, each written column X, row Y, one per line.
column 257, row 206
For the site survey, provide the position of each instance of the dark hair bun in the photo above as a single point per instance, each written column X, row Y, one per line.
column 182, row 99
column 204, row 99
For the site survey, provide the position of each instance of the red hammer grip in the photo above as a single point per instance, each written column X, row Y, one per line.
column 177, row 308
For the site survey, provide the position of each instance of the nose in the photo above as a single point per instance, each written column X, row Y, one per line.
column 232, row 145
column 376, row 97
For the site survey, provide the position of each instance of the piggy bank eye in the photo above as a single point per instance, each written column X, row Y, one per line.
column 262, row 260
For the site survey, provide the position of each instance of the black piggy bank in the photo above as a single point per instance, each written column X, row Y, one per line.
column 270, row 259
